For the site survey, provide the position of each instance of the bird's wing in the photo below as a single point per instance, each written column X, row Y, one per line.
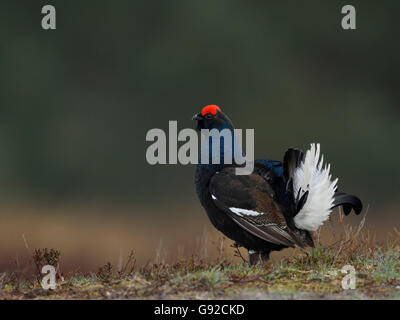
column 248, row 200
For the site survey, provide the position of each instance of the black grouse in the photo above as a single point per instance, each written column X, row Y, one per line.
column 274, row 207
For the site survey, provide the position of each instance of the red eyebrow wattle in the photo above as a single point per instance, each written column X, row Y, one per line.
column 212, row 108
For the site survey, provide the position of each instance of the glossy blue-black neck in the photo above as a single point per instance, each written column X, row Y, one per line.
column 231, row 148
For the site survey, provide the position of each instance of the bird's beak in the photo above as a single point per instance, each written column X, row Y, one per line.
column 197, row 116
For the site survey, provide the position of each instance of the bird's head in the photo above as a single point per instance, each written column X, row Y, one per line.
column 212, row 117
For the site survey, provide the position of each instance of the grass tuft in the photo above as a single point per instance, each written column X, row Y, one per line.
column 314, row 273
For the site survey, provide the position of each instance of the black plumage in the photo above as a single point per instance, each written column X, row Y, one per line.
column 257, row 210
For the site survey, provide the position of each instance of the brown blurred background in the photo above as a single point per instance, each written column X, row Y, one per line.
column 76, row 103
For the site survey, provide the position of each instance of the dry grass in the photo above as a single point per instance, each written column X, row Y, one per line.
column 313, row 273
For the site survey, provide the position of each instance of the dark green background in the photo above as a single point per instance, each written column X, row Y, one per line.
column 76, row 103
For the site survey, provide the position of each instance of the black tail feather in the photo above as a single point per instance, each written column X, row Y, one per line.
column 291, row 160
column 348, row 201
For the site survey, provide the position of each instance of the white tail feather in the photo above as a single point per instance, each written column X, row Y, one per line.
column 311, row 177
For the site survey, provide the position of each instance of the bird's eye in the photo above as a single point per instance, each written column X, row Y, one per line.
column 208, row 116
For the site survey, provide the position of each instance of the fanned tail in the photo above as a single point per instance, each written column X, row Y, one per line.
column 313, row 192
